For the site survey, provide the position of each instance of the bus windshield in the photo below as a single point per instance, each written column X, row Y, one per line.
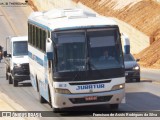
column 94, row 49
column 71, row 51
column 20, row 48
column 105, row 51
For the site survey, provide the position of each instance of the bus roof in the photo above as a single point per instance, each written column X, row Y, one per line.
column 61, row 19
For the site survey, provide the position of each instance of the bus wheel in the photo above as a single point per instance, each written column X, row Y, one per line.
column 10, row 80
column 15, row 83
column 114, row 106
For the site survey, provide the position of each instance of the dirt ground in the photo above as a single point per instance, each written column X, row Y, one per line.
column 141, row 14
column 32, row 5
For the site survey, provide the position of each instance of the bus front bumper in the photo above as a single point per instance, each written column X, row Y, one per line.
column 73, row 100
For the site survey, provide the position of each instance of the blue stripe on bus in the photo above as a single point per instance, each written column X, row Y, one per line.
column 30, row 54
column 45, row 62
column 40, row 61
column 38, row 24
column 35, row 58
column 43, row 85
column 82, row 27
column 68, row 28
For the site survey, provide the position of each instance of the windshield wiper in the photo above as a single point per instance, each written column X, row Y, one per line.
column 78, row 72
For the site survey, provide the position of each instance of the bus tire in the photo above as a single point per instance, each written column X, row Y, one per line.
column 10, row 80
column 15, row 83
column 114, row 106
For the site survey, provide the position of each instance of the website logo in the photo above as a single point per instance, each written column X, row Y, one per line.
column 6, row 114
column 11, row 3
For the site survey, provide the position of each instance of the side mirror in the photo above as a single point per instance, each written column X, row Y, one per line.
column 137, row 60
column 1, row 55
column 126, row 42
column 5, row 53
column 49, row 49
column 8, row 55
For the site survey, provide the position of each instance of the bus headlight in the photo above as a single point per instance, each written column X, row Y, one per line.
column 117, row 87
column 62, row 91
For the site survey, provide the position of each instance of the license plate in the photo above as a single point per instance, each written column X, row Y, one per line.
column 91, row 98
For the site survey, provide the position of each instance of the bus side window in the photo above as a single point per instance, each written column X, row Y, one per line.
column 36, row 39
column 31, row 34
column 34, row 36
column 43, row 40
column 42, row 43
column 40, row 39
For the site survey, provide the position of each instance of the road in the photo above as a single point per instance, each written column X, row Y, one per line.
column 143, row 96
column 152, row 74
